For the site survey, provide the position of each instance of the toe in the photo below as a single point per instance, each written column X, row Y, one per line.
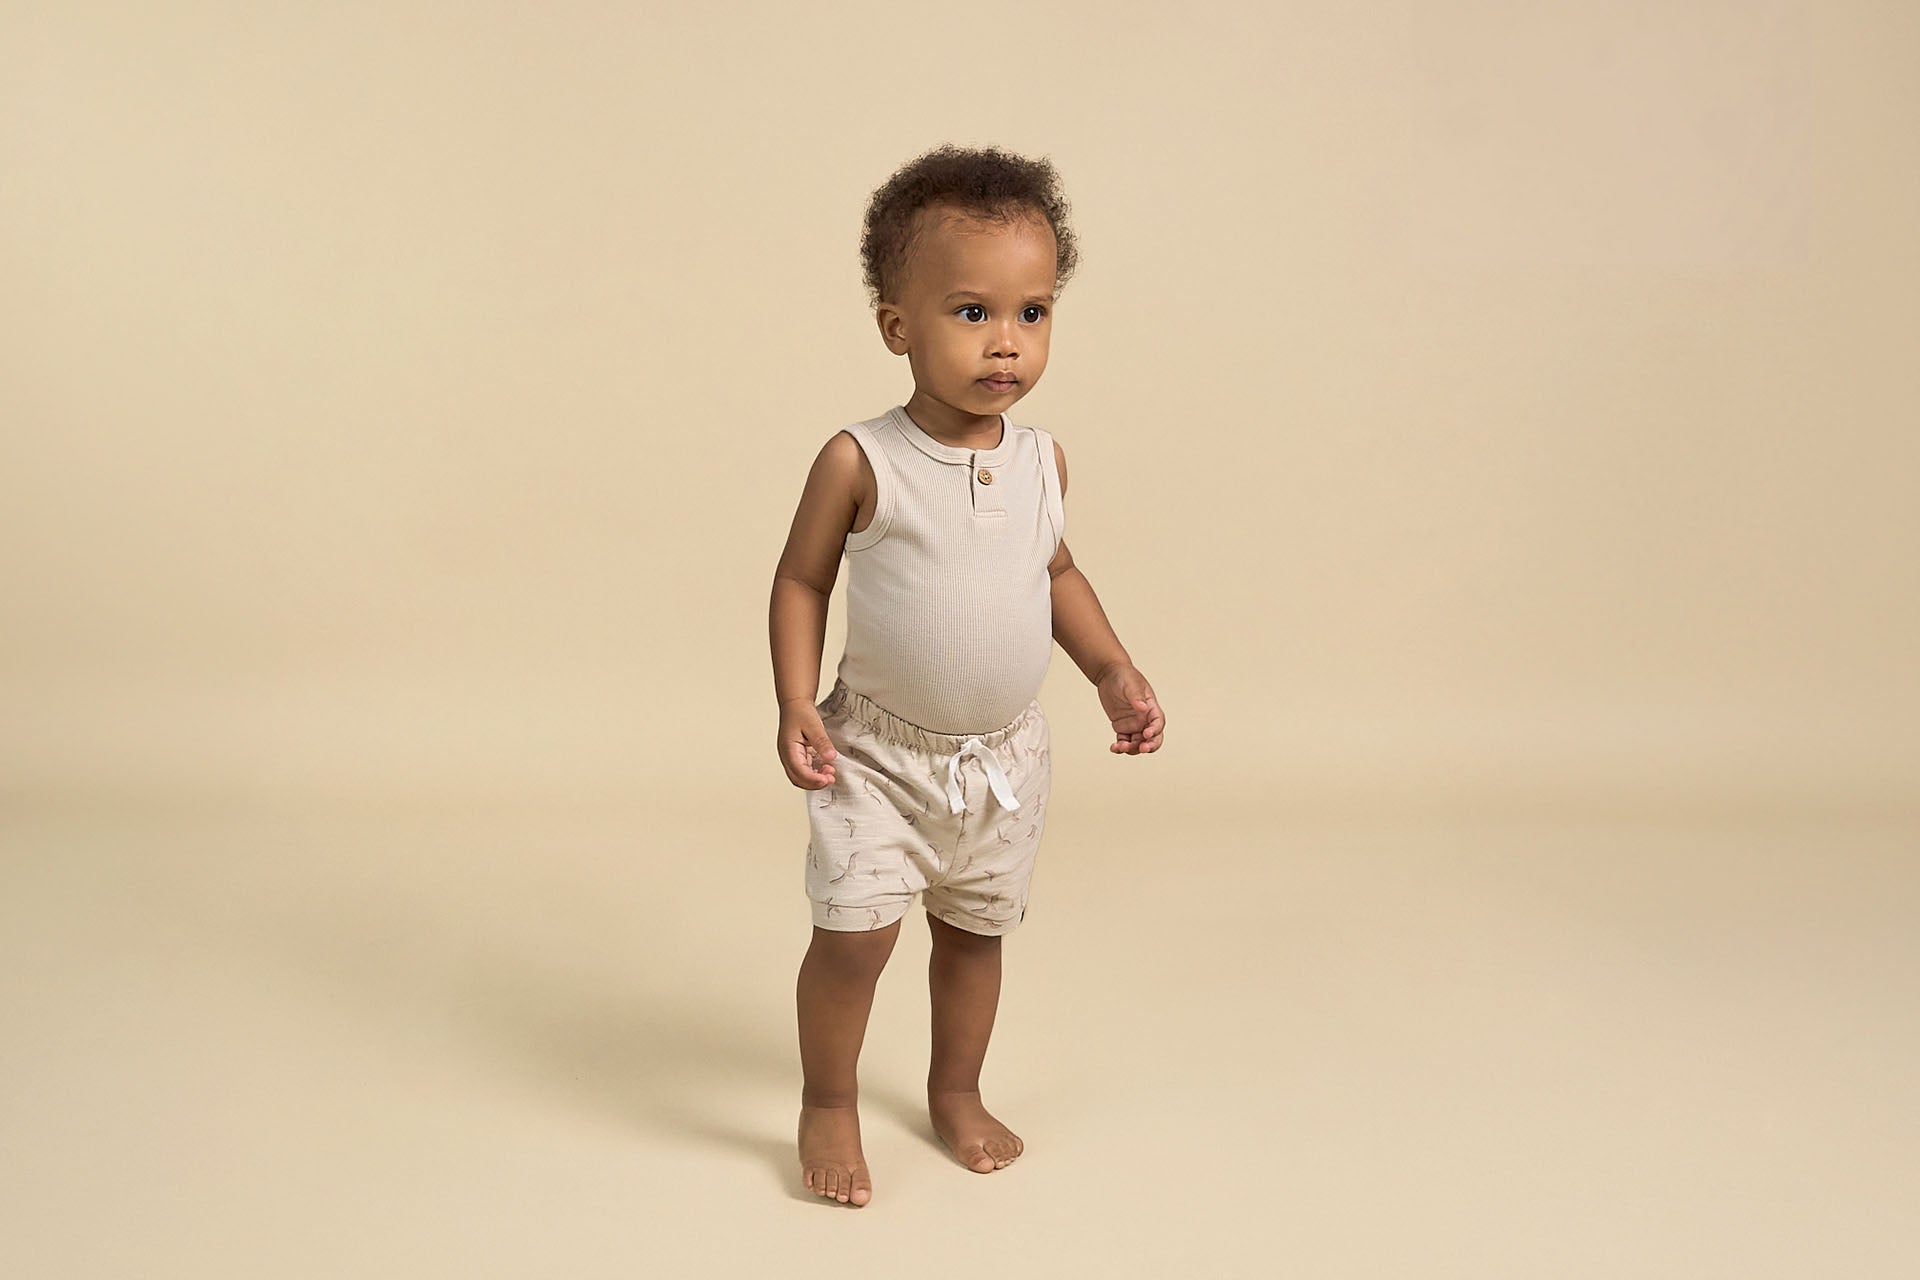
column 862, row 1187
column 975, row 1157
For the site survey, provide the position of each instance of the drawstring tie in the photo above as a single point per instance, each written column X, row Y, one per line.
column 996, row 776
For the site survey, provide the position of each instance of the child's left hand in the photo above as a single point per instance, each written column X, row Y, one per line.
column 1129, row 703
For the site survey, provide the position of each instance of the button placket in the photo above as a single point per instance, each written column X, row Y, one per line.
column 987, row 500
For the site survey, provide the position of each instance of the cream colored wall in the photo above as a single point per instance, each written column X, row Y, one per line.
column 1467, row 403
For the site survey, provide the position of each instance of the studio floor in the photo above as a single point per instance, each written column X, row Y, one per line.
column 410, row 1041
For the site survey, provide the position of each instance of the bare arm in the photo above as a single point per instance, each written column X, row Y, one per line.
column 1080, row 627
column 809, row 566
column 797, row 613
column 1079, row 623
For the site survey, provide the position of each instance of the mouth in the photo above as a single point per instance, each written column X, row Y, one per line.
column 1001, row 382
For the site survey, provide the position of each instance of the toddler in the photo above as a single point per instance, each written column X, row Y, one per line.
column 926, row 767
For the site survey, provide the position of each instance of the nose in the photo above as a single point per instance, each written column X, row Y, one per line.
column 1005, row 344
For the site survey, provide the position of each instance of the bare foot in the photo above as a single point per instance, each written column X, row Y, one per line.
column 830, row 1157
column 977, row 1140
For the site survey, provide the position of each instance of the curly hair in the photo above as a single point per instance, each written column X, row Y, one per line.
column 983, row 182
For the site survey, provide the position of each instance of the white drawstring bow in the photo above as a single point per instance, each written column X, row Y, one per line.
column 996, row 776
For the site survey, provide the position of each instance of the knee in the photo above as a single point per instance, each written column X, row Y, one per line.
column 853, row 957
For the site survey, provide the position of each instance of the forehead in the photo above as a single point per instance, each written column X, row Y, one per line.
column 957, row 250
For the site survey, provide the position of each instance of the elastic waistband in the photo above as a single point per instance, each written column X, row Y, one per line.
column 890, row 726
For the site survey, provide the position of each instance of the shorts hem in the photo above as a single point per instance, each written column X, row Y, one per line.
column 966, row 924
column 854, row 919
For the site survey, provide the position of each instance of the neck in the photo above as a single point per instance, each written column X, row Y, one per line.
column 951, row 426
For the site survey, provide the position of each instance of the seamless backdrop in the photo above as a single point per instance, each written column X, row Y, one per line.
column 1492, row 428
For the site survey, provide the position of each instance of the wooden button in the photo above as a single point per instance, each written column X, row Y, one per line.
column 986, row 476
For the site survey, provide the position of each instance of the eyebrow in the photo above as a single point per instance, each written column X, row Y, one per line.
column 974, row 293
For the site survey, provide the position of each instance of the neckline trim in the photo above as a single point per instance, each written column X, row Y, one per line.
column 993, row 457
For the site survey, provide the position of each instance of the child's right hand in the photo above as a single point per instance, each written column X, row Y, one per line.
column 806, row 752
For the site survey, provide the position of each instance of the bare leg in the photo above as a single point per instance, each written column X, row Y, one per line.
column 834, row 995
column 963, row 977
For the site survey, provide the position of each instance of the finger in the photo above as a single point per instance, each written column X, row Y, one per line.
column 809, row 757
column 801, row 771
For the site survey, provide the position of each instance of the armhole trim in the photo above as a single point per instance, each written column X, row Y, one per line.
column 1050, row 483
column 883, row 486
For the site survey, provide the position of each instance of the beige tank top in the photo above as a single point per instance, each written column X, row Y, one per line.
column 949, row 603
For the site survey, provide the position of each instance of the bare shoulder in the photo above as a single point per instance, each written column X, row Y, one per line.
column 852, row 468
column 841, row 473
column 838, row 492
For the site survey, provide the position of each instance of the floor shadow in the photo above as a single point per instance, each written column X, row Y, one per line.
column 652, row 1051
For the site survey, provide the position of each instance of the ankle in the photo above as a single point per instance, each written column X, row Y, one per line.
column 830, row 1099
column 937, row 1090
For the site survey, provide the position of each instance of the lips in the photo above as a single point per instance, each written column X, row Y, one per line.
column 1001, row 382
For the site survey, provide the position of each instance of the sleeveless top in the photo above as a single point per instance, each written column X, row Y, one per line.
column 949, row 603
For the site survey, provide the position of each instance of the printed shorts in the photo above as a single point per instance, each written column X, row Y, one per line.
column 956, row 819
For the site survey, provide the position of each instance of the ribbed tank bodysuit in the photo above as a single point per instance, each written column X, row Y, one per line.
column 949, row 604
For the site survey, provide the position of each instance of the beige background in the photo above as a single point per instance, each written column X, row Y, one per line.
column 1492, row 429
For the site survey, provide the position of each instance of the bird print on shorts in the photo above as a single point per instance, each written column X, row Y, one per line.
column 852, row 853
column 846, row 870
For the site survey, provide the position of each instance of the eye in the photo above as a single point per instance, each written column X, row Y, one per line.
column 1033, row 315
column 972, row 313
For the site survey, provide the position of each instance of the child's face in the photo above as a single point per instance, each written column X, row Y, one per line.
column 975, row 313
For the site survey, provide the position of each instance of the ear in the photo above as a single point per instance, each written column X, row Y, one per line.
column 893, row 327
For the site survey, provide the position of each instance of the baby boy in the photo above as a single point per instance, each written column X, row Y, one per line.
column 927, row 765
